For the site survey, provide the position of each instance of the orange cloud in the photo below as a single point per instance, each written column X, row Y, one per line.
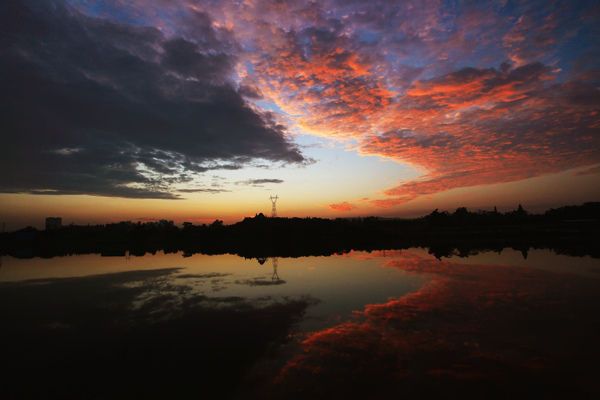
column 342, row 207
column 392, row 202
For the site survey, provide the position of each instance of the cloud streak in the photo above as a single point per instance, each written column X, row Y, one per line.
column 259, row 182
column 342, row 207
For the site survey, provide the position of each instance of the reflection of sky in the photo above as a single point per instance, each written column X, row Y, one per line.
column 381, row 323
column 340, row 284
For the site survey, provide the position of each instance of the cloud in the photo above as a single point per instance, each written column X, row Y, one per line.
column 481, row 127
column 392, row 202
column 342, row 207
column 146, row 96
column 588, row 171
column 473, row 95
column 259, row 182
column 203, row 190
column 102, row 107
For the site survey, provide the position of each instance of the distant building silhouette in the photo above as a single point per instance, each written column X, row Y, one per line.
column 53, row 223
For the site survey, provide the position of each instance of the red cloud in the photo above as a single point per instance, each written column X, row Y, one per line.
column 482, row 127
column 392, row 202
column 342, row 207
column 465, row 127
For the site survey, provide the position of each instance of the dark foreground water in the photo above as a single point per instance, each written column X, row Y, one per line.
column 391, row 324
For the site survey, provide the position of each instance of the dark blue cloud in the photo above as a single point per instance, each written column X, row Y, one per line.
column 93, row 106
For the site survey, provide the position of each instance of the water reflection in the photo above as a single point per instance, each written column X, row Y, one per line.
column 275, row 276
column 136, row 334
column 475, row 331
column 377, row 325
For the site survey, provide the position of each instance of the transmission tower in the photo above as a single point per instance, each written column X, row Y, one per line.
column 274, row 209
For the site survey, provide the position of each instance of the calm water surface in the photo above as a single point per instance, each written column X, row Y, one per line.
column 379, row 324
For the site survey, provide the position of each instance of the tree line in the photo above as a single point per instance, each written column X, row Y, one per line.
column 575, row 227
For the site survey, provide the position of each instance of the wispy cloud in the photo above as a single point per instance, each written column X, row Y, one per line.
column 342, row 207
column 203, row 190
column 588, row 171
column 259, row 182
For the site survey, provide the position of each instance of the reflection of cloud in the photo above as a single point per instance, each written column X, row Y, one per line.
column 260, row 282
column 474, row 331
column 201, row 276
column 89, row 329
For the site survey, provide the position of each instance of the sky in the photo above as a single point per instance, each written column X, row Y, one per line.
column 192, row 110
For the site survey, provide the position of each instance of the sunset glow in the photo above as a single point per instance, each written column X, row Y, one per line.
column 193, row 110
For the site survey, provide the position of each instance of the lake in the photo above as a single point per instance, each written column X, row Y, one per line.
column 383, row 324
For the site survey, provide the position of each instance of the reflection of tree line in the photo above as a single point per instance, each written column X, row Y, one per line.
column 570, row 230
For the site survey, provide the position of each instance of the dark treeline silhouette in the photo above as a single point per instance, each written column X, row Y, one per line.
column 573, row 230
